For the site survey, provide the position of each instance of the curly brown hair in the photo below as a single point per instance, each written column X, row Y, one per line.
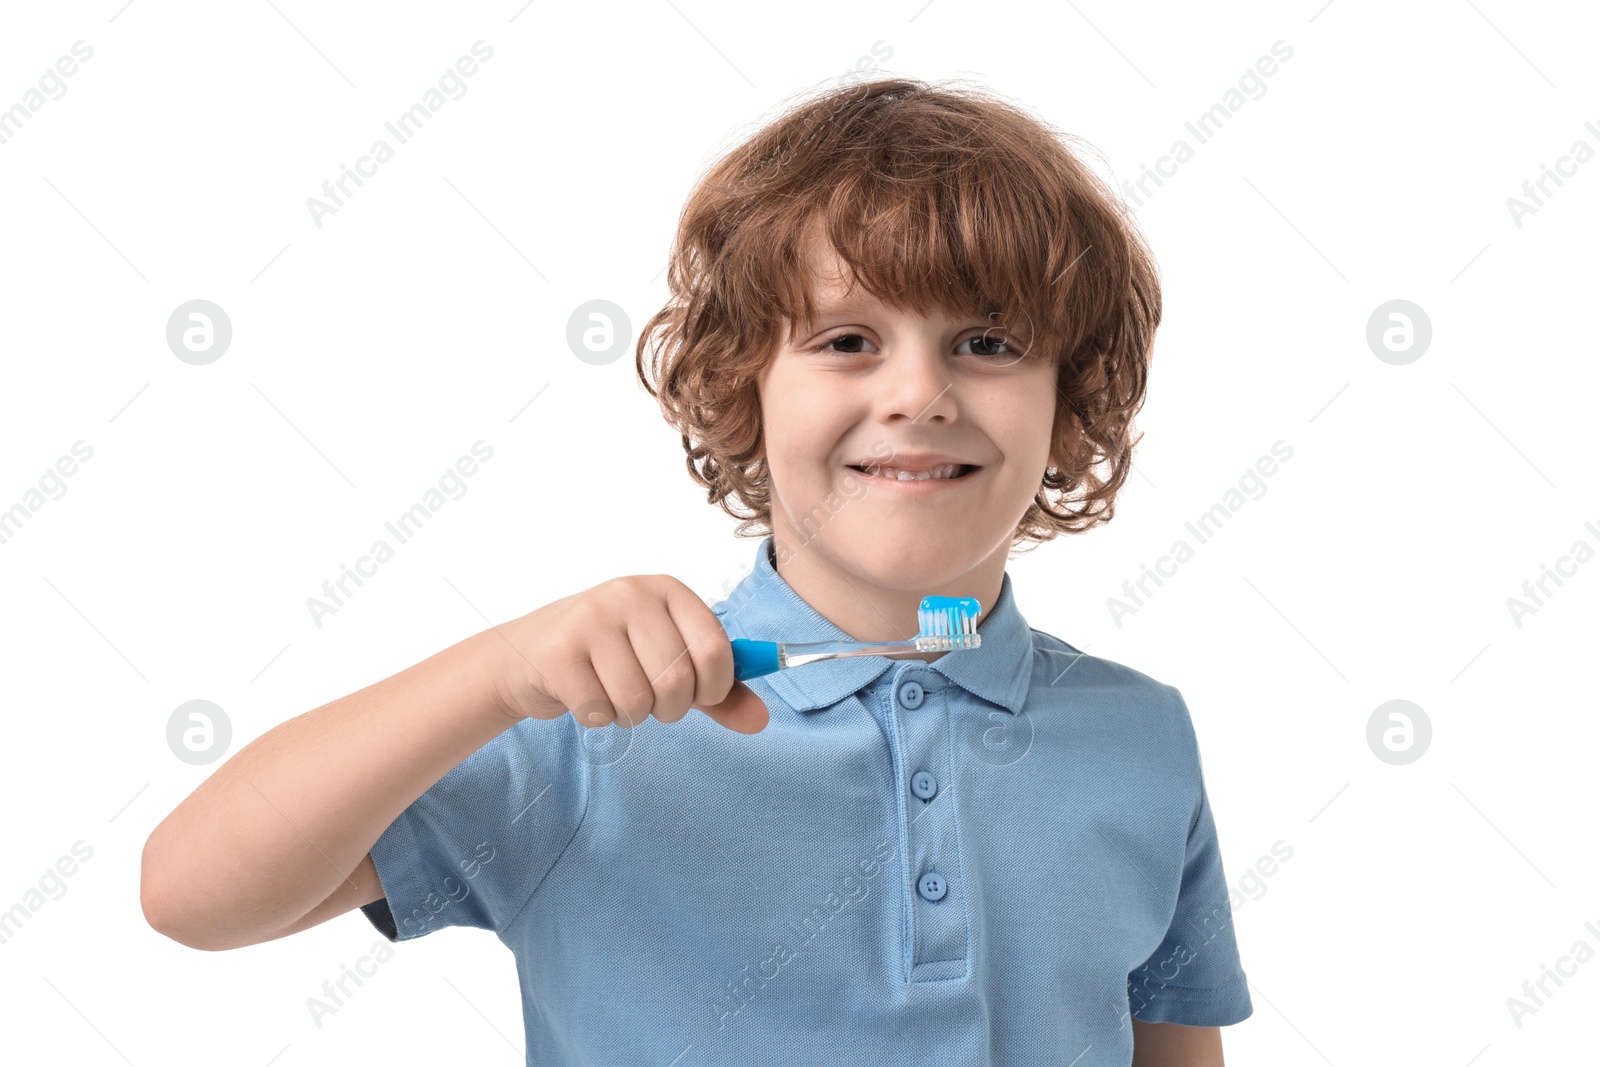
column 933, row 196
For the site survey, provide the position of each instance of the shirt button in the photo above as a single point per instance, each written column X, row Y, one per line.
column 911, row 695
column 931, row 886
column 924, row 785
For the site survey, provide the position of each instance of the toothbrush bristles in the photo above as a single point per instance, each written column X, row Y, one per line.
column 948, row 629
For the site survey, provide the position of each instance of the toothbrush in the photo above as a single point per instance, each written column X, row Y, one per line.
column 948, row 623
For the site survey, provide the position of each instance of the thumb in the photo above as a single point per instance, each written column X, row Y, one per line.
column 741, row 711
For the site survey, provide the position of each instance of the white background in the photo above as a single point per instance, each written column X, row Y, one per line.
column 368, row 354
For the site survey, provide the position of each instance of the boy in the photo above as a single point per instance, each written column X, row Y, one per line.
column 906, row 325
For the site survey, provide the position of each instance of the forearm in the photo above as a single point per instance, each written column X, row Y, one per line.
column 282, row 823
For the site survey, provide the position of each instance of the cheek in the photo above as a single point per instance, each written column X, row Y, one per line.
column 796, row 443
column 801, row 432
column 790, row 441
column 1026, row 425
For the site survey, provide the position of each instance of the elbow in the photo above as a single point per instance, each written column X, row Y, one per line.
column 159, row 915
column 154, row 900
column 161, row 911
column 151, row 898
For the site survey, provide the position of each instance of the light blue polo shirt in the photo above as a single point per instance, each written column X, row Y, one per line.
column 991, row 859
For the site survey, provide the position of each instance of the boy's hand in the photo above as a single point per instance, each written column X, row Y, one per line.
column 622, row 651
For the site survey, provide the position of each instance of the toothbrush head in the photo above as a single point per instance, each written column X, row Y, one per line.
column 948, row 623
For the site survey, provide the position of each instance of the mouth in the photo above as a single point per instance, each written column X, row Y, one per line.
column 949, row 472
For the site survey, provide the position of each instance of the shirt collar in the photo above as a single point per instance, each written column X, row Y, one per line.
column 763, row 607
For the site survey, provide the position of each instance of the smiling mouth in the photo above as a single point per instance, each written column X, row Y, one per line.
column 949, row 472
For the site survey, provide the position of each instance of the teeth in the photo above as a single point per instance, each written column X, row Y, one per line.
column 949, row 470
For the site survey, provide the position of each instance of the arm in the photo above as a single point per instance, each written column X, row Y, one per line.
column 278, row 838
column 1174, row 1045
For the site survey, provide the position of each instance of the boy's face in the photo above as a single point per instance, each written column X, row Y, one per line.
column 868, row 384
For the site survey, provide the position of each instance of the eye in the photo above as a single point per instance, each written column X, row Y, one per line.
column 826, row 345
column 994, row 347
column 997, row 347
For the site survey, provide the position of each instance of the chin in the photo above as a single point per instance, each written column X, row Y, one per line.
column 892, row 559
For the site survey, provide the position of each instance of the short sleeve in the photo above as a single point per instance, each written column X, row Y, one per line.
column 473, row 849
column 1194, row 977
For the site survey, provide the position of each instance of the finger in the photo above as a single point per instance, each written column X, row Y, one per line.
column 659, row 648
column 627, row 687
column 742, row 712
column 585, row 698
column 707, row 642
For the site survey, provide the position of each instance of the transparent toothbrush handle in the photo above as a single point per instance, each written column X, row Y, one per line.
column 752, row 659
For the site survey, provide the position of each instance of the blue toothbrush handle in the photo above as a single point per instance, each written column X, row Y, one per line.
column 752, row 659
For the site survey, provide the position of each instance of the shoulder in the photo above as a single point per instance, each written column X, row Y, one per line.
column 1048, row 650
column 1114, row 695
column 545, row 752
column 527, row 739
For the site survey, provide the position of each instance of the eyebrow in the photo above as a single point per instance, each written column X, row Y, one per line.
column 857, row 304
column 802, row 326
column 854, row 303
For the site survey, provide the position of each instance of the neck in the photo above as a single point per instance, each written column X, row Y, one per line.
column 869, row 609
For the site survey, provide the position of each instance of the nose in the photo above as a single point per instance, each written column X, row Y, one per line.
column 915, row 382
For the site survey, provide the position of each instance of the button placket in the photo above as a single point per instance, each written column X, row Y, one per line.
column 938, row 915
